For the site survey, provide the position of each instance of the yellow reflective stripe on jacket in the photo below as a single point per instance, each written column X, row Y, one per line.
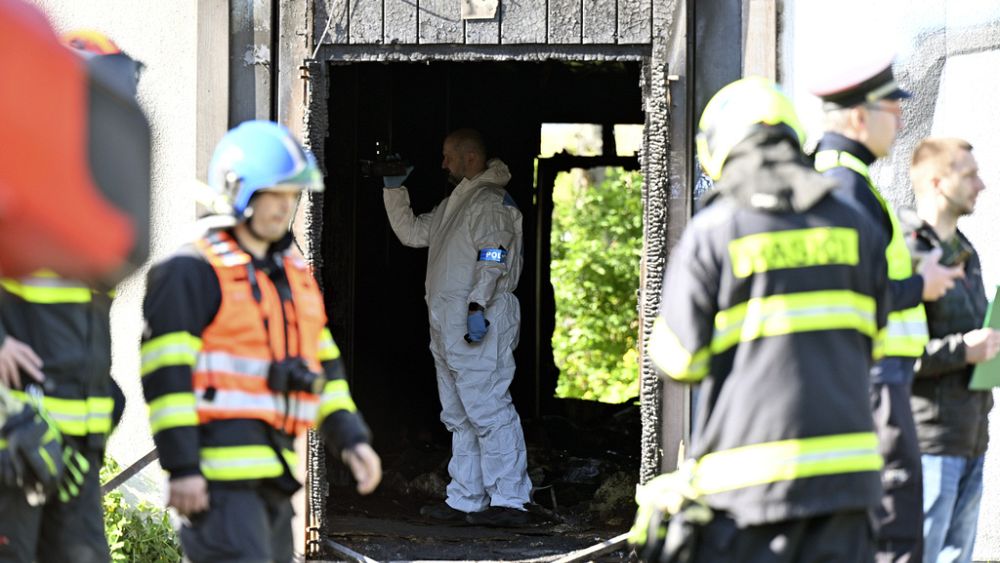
column 906, row 333
column 790, row 313
column 172, row 411
column 76, row 417
column 291, row 458
column 798, row 248
column 336, row 397
column 328, row 349
column 99, row 419
column 231, row 463
column 173, row 349
column 672, row 358
column 878, row 345
column 785, row 460
column 906, row 330
column 47, row 290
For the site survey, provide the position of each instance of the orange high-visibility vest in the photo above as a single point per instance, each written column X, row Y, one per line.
column 247, row 335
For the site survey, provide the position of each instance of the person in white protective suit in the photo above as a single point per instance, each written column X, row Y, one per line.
column 474, row 239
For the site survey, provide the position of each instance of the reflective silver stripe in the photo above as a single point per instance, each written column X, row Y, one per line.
column 786, row 460
column 218, row 464
column 72, row 418
column 234, row 259
column 826, row 456
column 169, row 350
column 224, row 250
column 165, row 412
column 304, row 410
column 240, row 462
column 223, row 361
column 818, row 311
column 229, row 400
column 913, row 329
column 226, row 399
column 330, row 396
column 45, row 281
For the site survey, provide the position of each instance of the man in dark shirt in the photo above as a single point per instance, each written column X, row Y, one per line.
column 951, row 419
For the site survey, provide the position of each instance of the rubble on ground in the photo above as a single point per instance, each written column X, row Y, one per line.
column 584, row 468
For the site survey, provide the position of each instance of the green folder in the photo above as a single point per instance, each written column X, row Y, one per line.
column 987, row 374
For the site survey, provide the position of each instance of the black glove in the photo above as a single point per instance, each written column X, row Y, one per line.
column 11, row 469
column 36, row 442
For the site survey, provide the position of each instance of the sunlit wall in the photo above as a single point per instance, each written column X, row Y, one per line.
column 948, row 56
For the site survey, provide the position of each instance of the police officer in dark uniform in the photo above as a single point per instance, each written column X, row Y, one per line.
column 772, row 300
column 863, row 116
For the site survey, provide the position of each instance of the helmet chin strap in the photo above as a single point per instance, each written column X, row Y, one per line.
column 247, row 220
column 248, row 215
column 250, row 227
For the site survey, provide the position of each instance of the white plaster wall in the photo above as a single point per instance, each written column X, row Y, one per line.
column 948, row 53
column 161, row 34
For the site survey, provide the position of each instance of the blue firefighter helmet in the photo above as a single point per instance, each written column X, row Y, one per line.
column 260, row 155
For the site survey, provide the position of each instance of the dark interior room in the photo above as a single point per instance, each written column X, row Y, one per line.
column 374, row 286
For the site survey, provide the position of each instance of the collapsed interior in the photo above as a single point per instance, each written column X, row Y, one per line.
column 374, row 285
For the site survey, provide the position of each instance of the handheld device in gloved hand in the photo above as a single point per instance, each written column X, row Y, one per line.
column 386, row 165
column 397, row 180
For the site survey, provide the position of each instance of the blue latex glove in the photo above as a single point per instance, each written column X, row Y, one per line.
column 396, row 181
column 477, row 325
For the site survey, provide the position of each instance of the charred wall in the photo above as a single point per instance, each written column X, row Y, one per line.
column 393, row 75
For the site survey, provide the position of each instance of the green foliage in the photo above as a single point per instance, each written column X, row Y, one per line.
column 596, row 249
column 139, row 533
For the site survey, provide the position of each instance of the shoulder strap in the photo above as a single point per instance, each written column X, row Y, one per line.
column 220, row 249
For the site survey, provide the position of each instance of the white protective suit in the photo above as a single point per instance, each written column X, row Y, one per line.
column 488, row 465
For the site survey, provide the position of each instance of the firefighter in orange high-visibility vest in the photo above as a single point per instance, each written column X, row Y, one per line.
column 237, row 360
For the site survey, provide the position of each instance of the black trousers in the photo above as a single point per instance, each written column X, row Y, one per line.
column 835, row 538
column 901, row 513
column 249, row 525
column 55, row 531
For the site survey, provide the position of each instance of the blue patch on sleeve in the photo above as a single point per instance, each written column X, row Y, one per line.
column 509, row 201
column 497, row 255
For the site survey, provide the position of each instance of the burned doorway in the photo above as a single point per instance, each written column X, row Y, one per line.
column 374, row 285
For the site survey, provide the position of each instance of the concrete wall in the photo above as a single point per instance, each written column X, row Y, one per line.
column 948, row 55
column 162, row 35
